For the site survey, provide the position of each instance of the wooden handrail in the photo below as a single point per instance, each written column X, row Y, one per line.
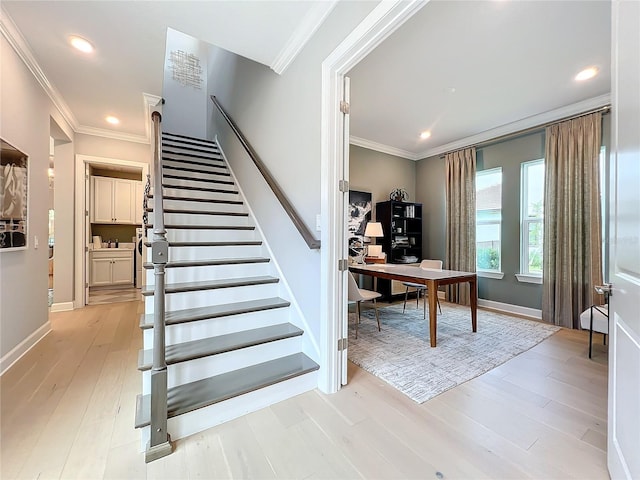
column 308, row 237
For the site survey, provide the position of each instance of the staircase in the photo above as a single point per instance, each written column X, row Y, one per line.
column 234, row 344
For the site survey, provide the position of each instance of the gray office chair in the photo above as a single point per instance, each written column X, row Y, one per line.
column 360, row 295
column 426, row 265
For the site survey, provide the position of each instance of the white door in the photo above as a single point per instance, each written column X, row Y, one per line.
column 345, row 254
column 624, row 321
column 102, row 196
column 87, row 234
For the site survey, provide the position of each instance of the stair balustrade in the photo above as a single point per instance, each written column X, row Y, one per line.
column 160, row 442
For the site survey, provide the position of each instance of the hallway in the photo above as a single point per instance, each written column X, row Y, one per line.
column 68, row 410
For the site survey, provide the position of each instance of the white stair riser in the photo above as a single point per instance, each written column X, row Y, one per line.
column 178, row 154
column 198, row 253
column 178, row 192
column 168, row 142
column 211, row 327
column 214, row 168
column 195, row 235
column 204, row 206
column 200, row 219
column 199, row 420
column 213, row 272
column 200, row 368
column 205, row 298
column 195, row 175
column 201, row 183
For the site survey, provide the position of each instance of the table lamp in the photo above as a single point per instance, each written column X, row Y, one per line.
column 374, row 230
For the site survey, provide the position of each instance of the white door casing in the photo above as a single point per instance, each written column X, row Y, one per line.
column 344, row 319
column 623, row 449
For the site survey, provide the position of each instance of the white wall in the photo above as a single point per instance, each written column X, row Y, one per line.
column 280, row 116
column 110, row 148
column 25, row 123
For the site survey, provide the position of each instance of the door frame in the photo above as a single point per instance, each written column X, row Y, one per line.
column 82, row 216
column 383, row 20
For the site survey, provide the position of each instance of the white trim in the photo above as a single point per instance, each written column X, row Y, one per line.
column 80, row 208
column 103, row 132
column 61, row 307
column 525, row 123
column 509, row 308
column 150, row 101
column 488, row 274
column 23, row 347
column 299, row 38
column 383, row 20
column 528, row 278
column 379, row 147
column 274, row 260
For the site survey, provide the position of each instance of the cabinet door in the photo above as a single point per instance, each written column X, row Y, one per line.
column 100, row 272
column 137, row 200
column 122, row 201
column 102, row 200
column 122, row 270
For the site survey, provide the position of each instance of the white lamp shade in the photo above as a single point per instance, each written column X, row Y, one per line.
column 373, row 229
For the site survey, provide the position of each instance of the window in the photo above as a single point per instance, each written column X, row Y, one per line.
column 532, row 217
column 488, row 219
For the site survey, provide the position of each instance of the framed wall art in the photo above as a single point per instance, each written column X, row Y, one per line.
column 14, row 199
column 358, row 215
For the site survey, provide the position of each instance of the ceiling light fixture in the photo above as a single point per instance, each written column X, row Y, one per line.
column 424, row 135
column 81, row 44
column 112, row 120
column 587, row 73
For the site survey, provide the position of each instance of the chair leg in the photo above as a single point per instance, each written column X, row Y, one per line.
column 418, row 298
column 358, row 319
column 425, row 297
column 375, row 306
column 406, row 293
column 439, row 308
column 590, row 332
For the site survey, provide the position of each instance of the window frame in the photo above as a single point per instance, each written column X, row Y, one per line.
column 525, row 221
column 485, row 272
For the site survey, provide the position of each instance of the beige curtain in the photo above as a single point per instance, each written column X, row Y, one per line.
column 461, row 218
column 572, row 259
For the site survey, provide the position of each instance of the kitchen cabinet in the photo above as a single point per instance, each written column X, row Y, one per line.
column 111, row 266
column 113, row 200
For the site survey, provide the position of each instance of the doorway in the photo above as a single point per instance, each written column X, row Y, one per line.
column 112, row 278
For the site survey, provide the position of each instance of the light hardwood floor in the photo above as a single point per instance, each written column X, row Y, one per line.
column 67, row 411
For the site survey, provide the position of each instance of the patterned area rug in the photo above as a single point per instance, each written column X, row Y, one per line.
column 401, row 354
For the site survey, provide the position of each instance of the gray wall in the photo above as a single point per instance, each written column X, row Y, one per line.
column 431, row 193
column 25, row 123
column 110, row 148
column 379, row 173
column 280, row 115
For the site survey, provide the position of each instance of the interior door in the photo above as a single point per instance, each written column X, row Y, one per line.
column 344, row 254
column 87, row 234
column 624, row 322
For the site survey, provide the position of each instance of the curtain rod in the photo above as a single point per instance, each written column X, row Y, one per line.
column 604, row 109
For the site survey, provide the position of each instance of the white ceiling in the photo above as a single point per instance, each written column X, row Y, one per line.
column 507, row 60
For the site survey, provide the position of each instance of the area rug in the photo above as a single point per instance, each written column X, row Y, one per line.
column 401, row 354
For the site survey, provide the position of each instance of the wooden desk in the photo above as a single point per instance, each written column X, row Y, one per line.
column 432, row 279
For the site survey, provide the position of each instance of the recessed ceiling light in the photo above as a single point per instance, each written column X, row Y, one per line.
column 587, row 73
column 81, row 44
column 112, row 120
column 426, row 134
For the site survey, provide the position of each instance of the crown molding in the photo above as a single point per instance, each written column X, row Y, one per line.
column 299, row 38
column 20, row 45
column 150, row 101
column 103, row 132
column 539, row 120
column 380, row 147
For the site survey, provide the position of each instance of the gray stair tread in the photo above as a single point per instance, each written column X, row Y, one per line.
column 176, row 165
column 206, row 227
column 213, row 284
column 198, row 188
column 217, row 261
column 186, row 211
column 190, row 151
column 186, row 138
column 198, row 199
column 191, row 396
column 249, row 243
column 206, row 347
column 215, row 311
column 178, row 169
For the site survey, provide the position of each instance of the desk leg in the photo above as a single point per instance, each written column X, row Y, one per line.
column 473, row 294
column 432, row 291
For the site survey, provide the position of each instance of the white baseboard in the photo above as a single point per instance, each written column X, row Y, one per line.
column 23, row 347
column 62, row 307
column 509, row 308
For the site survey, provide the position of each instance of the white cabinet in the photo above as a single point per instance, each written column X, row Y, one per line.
column 113, row 200
column 111, row 267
